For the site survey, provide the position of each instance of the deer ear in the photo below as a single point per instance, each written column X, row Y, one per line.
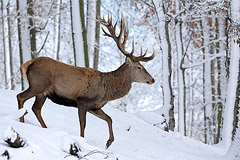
column 128, row 60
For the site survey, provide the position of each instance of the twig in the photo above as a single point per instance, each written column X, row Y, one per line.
column 43, row 44
column 181, row 64
column 38, row 29
column 94, row 152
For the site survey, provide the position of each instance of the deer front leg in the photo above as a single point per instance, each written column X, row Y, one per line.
column 100, row 114
column 82, row 118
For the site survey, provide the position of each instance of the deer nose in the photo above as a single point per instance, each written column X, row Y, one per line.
column 151, row 81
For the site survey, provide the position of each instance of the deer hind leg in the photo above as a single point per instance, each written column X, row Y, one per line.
column 82, row 118
column 22, row 97
column 99, row 113
column 37, row 107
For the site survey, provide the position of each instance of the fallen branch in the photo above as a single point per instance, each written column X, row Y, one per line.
column 11, row 137
column 107, row 154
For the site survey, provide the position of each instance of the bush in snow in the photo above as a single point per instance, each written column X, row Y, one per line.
column 11, row 137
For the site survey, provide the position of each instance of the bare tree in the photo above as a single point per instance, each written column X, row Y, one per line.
column 165, row 45
column 4, row 43
column 23, row 35
column 79, row 36
column 97, row 36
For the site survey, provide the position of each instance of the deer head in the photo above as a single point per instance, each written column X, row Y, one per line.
column 138, row 72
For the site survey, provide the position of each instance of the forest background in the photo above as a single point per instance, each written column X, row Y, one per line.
column 196, row 67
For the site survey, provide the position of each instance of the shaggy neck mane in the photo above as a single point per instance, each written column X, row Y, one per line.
column 118, row 82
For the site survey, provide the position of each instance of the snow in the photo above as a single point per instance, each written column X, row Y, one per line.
column 135, row 138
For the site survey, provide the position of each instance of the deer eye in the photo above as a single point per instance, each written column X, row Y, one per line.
column 139, row 68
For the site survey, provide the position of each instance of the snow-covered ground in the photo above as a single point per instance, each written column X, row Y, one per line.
column 135, row 138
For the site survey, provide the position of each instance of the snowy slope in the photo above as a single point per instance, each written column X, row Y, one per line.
column 134, row 138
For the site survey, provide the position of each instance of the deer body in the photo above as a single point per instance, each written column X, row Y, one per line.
column 65, row 84
column 84, row 88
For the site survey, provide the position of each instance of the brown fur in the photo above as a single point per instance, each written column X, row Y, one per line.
column 85, row 88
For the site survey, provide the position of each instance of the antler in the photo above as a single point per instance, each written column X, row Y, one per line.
column 124, row 31
column 145, row 59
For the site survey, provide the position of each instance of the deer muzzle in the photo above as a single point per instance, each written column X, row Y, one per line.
column 151, row 81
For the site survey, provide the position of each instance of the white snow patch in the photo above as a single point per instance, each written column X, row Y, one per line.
column 135, row 137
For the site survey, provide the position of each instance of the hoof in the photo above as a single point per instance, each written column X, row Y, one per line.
column 109, row 142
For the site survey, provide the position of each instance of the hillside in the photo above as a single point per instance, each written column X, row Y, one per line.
column 135, row 139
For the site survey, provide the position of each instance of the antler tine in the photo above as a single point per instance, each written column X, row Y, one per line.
column 145, row 59
column 132, row 47
column 110, row 20
column 145, row 53
column 122, row 27
column 126, row 32
column 114, row 27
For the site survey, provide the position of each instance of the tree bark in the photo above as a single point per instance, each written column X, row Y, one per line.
column 10, row 60
column 32, row 29
column 91, row 29
column 165, row 45
column 232, row 83
column 207, row 82
column 23, row 35
column 97, row 36
column 58, row 40
column 77, row 34
column 4, row 44
column 84, row 33
column 222, row 75
column 181, row 76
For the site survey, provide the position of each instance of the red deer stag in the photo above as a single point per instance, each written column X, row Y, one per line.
column 85, row 88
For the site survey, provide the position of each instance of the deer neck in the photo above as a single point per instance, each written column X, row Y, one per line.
column 118, row 82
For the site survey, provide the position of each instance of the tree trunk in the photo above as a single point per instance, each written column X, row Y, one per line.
column 91, row 28
column 58, row 39
column 77, row 37
column 222, row 76
column 232, row 83
column 4, row 45
column 97, row 36
column 233, row 152
column 84, row 33
column 167, row 65
column 10, row 58
column 207, row 86
column 181, row 79
column 236, row 108
column 23, row 35
column 32, row 29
